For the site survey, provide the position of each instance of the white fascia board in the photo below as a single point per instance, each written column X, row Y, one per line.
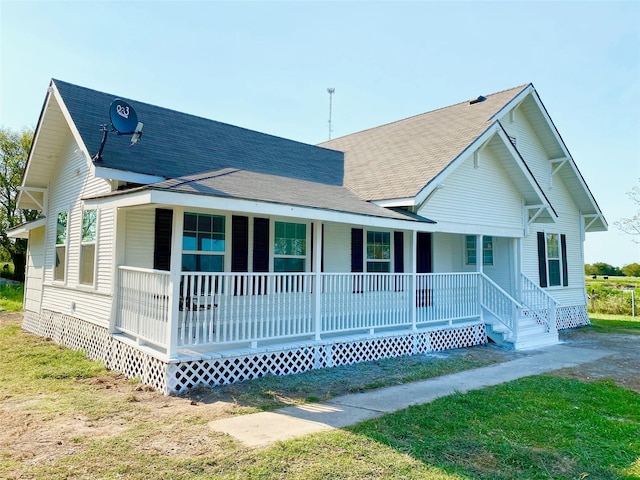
column 125, row 176
column 141, row 197
column 523, row 168
column 293, row 211
column 22, row 231
column 469, row 229
column 437, row 181
column 395, row 202
column 160, row 197
column 34, row 143
column 72, row 125
column 513, row 103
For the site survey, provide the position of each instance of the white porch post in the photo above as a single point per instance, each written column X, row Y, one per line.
column 517, row 265
column 413, row 298
column 174, row 283
column 479, row 254
column 317, row 279
column 120, row 217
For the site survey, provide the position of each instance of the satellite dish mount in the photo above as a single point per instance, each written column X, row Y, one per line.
column 124, row 121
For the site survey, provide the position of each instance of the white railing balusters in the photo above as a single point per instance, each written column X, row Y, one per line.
column 541, row 305
column 228, row 308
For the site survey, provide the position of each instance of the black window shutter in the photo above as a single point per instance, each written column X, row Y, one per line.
column 239, row 244
column 565, row 267
column 423, row 254
column 162, row 239
column 542, row 259
column 260, row 244
column 357, row 245
column 398, row 251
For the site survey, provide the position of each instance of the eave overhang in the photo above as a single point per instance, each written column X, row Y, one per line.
column 147, row 196
column 22, row 231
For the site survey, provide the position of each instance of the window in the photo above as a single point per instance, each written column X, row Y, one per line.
column 553, row 259
column 487, row 250
column 203, row 243
column 59, row 268
column 378, row 252
column 289, row 247
column 88, row 247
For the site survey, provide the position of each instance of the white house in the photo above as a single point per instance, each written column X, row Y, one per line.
column 207, row 253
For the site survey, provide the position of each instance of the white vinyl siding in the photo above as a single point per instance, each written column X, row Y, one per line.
column 35, row 269
column 567, row 223
column 337, row 247
column 71, row 182
column 477, row 200
column 138, row 248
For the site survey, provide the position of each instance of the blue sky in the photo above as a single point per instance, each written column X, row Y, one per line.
column 267, row 65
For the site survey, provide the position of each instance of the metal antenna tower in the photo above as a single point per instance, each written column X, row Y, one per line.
column 330, row 91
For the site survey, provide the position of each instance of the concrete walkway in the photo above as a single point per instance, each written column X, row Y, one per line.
column 265, row 428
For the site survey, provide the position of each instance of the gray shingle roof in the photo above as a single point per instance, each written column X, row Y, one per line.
column 398, row 159
column 248, row 185
column 175, row 144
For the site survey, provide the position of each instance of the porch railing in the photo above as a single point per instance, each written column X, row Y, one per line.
column 230, row 308
column 500, row 304
column 538, row 303
column 143, row 304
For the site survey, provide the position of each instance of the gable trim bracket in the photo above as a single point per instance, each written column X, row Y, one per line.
column 589, row 219
column 29, row 191
column 536, row 209
column 557, row 164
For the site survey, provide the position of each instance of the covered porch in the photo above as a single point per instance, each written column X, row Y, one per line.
column 209, row 313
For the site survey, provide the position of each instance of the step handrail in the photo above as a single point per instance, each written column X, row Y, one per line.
column 548, row 320
column 511, row 320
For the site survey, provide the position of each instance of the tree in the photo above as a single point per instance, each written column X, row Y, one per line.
column 601, row 268
column 631, row 270
column 631, row 225
column 14, row 150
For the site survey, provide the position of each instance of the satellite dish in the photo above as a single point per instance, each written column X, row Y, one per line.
column 123, row 117
column 124, row 121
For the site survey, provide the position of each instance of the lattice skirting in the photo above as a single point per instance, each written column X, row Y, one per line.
column 96, row 342
column 186, row 375
column 571, row 317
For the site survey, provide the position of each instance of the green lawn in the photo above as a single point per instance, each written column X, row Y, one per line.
column 540, row 427
column 11, row 297
column 605, row 323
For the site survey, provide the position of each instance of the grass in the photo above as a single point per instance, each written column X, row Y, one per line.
column 11, row 297
column 613, row 295
column 606, row 323
column 271, row 392
column 534, row 428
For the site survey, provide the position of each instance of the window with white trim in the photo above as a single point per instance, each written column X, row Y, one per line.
column 378, row 252
column 554, row 269
column 289, row 247
column 60, row 267
column 88, row 247
column 471, row 253
column 203, row 242
column 552, row 259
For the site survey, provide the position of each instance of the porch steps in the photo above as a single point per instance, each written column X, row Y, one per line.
column 530, row 334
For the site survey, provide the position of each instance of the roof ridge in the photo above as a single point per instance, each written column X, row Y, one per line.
column 187, row 114
column 519, row 87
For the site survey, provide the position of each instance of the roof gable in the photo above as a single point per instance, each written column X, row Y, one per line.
column 175, row 144
column 399, row 159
